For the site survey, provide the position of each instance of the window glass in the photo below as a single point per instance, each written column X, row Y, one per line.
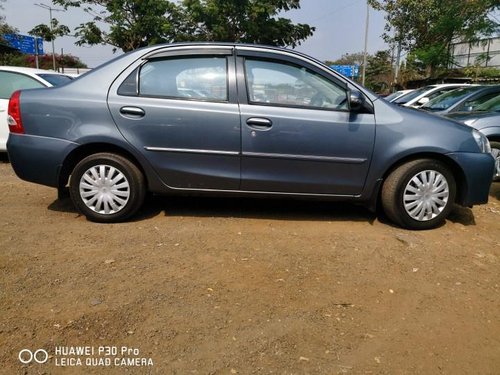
column 446, row 100
column 56, row 79
column 198, row 78
column 284, row 84
column 10, row 82
column 471, row 105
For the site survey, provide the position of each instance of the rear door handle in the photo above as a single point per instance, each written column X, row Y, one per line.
column 132, row 111
column 259, row 123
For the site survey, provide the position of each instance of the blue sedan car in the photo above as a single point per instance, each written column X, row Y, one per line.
column 241, row 120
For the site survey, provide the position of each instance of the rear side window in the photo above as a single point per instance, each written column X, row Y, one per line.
column 283, row 84
column 196, row 78
column 10, row 82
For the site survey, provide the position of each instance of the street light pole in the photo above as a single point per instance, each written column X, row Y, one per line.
column 50, row 9
column 366, row 42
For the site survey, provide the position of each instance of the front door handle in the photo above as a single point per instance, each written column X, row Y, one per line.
column 132, row 111
column 259, row 123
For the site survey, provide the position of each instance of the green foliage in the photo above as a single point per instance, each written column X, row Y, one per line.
column 50, row 33
column 44, row 61
column 138, row 23
column 132, row 23
column 428, row 27
column 245, row 21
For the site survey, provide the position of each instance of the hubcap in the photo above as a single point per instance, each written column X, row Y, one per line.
column 426, row 195
column 104, row 189
column 496, row 154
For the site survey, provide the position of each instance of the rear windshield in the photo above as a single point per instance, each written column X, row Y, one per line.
column 55, row 79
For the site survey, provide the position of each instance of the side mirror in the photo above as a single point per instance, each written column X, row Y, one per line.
column 423, row 100
column 356, row 101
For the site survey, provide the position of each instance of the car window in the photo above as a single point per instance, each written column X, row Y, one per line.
column 490, row 105
column 471, row 105
column 56, row 79
column 270, row 82
column 201, row 78
column 449, row 98
column 412, row 95
column 11, row 81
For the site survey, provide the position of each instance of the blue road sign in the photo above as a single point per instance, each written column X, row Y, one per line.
column 347, row 70
column 24, row 43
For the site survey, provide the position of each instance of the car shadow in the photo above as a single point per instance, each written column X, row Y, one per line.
column 4, row 157
column 252, row 208
column 495, row 190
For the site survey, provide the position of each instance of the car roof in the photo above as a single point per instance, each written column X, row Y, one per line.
column 25, row 70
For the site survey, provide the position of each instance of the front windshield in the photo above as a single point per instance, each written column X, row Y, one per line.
column 55, row 79
column 393, row 95
column 492, row 105
column 412, row 95
column 446, row 100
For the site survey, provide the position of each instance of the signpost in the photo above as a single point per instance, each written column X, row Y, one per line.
column 26, row 44
column 350, row 71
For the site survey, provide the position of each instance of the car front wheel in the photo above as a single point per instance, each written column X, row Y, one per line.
column 419, row 194
column 107, row 187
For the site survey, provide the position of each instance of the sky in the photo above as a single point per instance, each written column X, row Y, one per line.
column 340, row 28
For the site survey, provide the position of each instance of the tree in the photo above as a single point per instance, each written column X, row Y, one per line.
column 138, row 23
column 50, row 33
column 246, row 21
column 356, row 58
column 427, row 28
column 379, row 72
column 132, row 23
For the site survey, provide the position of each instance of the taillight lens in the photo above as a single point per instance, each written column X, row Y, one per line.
column 14, row 117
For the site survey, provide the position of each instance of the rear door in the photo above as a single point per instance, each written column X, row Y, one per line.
column 298, row 134
column 179, row 108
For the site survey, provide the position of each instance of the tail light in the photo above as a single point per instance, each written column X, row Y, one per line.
column 14, row 117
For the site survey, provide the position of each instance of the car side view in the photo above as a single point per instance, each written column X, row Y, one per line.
column 246, row 120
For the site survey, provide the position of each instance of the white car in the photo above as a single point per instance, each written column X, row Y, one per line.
column 421, row 96
column 396, row 95
column 13, row 78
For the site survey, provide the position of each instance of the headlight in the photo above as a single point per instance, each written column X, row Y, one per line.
column 482, row 141
column 469, row 122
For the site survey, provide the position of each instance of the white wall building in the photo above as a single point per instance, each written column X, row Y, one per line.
column 465, row 55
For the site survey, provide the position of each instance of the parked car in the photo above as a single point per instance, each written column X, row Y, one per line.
column 421, row 96
column 486, row 118
column 464, row 99
column 14, row 78
column 124, row 129
column 396, row 94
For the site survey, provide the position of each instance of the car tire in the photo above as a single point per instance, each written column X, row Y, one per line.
column 107, row 188
column 419, row 194
column 495, row 151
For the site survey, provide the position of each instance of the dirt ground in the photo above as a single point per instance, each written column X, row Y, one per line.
column 239, row 286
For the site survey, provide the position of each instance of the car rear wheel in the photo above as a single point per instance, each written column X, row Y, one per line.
column 495, row 150
column 107, row 187
column 419, row 194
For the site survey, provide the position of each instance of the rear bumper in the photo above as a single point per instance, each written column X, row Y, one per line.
column 478, row 171
column 38, row 159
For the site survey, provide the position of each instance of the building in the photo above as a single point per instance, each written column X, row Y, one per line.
column 486, row 54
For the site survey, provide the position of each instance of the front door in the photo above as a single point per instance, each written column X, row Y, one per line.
column 298, row 134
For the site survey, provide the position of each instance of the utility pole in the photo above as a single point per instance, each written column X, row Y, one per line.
column 366, row 42
column 50, row 9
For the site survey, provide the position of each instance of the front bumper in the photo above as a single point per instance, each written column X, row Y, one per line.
column 38, row 159
column 478, row 169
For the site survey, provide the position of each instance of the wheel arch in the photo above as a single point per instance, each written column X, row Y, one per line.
column 455, row 169
column 85, row 150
